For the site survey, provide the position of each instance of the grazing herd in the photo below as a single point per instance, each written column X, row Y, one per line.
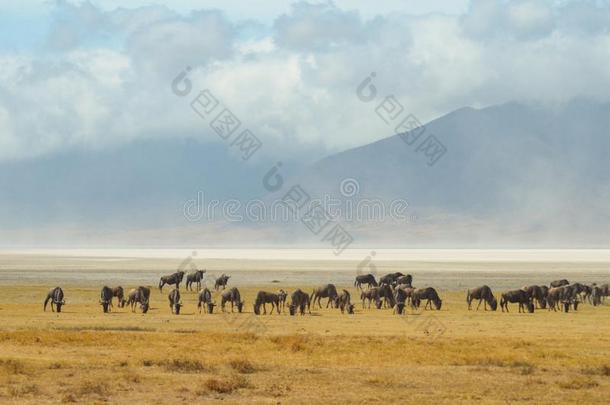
column 393, row 290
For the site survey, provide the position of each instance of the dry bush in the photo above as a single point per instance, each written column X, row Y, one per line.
column 93, row 387
column 242, row 366
column 578, row 383
column 179, row 365
column 601, row 370
column 12, row 366
column 28, row 389
column 225, row 385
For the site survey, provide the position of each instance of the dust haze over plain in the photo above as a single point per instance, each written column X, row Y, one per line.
column 96, row 150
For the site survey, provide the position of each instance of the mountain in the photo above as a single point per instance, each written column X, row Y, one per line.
column 513, row 175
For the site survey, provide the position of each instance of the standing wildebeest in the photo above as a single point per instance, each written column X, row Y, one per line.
column 106, row 298
column 326, row 291
column 175, row 303
column 205, row 301
column 194, row 277
column 595, row 297
column 56, row 296
column 232, row 295
column 405, row 280
column 343, row 301
column 175, row 278
column 391, row 278
column 559, row 283
column 517, row 296
column 387, row 293
column 140, row 295
column 367, row 279
column 282, row 295
column 400, row 296
column 565, row 295
column 483, row 294
column 263, row 298
column 536, row 294
column 221, row 282
column 372, row 294
column 428, row 294
column 299, row 300
column 120, row 294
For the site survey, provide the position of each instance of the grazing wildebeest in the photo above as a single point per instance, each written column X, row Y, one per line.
column 282, row 295
column 175, row 278
column 56, row 296
column 400, row 296
column 299, row 300
column 205, row 301
column 326, row 291
column 536, row 294
column 372, row 294
column 596, row 296
column 428, row 294
column 343, row 301
column 387, row 293
column 120, row 294
column 140, row 295
column 194, row 277
column 516, row 296
column 405, row 280
column 221, row 282
column 367, row 279
column 232, row 295
column 483, row 294
column 390, row 279
column 559, row 283
column 263, row 298
column 564, row 295
column 106, row 298
column 175, row 303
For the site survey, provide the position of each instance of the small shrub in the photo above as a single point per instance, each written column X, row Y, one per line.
column 12, row 367
column 225, row 386
column 185, row 366
column 242, row 366
column 93, row 387
column 578, row 383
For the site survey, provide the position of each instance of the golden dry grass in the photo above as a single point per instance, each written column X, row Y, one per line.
column 448, row 356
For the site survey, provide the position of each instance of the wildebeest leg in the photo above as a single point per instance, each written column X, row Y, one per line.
column 264, row 309
column 479, row 304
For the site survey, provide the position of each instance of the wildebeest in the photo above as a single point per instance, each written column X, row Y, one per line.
column 405, row 280
column 372, row 294
column 264, row 297
column 387, row 293
column 299, row 300
column 106, row 298
column 326, row 291
column 367, row 279
column 559, row 283
column 140, row 295
column 400, row 296
column 56, row 296
column 234, row 297
column 282, row 296
column 428, row 294
column 205, row 301
column 483, row 294
column 221, row 282
column 194, row 277
column 175, row 278
column 120, row 294
column 343, row 301
column 175, row 303
column 595, row 296
column 516, row 296
column 391, row 278
column 536, row 294
column 565, row 295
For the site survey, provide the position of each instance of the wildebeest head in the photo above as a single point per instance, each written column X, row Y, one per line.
column 400, row 307
column 59, row 304
column 292, row 309
column 240, row 306
column 144, row 306
column 211, row 307
column 257, row 309
column 493, row 304
column 105, row 305
column 530, row 307
column 439, row 303
column 350, row 308
column 177, row 307
column 378, row 304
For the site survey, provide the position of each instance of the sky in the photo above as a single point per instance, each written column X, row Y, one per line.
column 98, row 74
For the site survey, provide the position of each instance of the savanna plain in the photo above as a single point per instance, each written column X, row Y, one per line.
column 454, row 355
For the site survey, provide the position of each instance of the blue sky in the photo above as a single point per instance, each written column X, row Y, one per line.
column 93, row 74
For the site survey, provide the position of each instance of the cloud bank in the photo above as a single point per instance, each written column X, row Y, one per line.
column 103, row 77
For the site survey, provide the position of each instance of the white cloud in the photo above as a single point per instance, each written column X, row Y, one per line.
column 105, row 77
